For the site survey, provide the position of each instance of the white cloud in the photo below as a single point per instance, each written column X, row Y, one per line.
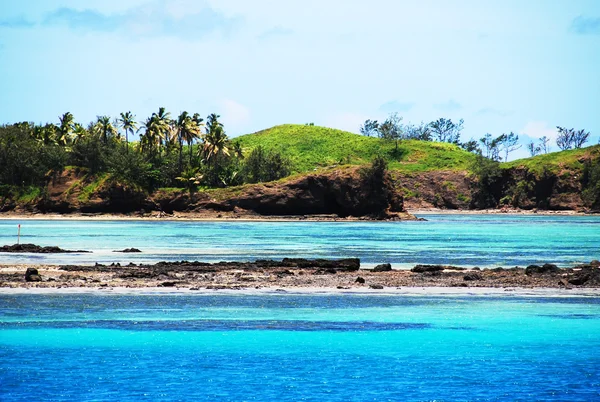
column 539, row 129
column 345, row 121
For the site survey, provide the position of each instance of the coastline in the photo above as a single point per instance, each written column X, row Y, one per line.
column 205, row 216
column 415, row 291
column 298, row 275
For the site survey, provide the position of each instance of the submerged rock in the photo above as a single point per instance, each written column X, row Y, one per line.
column 129, row 250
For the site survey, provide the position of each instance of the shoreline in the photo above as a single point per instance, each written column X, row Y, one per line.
column 298, row 275
column 412, row 291
column 220, row 217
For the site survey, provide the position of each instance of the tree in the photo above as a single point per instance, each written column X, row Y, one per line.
column 369, row 128
column 391, row 129
column 237, row 150
column 161, row 122
column 470, row 146
column 533, row 149
column 445, row 130
column 263, row 166
column 214, row 148
column 491, row 146
column 544, row 144
column 194, row 133
column 129, row 125
column 150, row 138
column 186, row 130
column 79, row 133
column 569, row 138
column 67, row 123
column 509, row 143
column 421, row 132
column 579, row 138
column 104, row 128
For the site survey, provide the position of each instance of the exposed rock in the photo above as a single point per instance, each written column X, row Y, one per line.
column 382, row 268
column 33, row 248
column 360, row 280
column 341, row 192
column 32, row 275
column 128, row 250
column 376, row 286
column 345, row 264
column 168, row 284
column 428, row 268
column 472, row 276
column 536, row 269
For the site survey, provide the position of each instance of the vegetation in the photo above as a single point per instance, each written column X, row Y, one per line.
column 311, row 147
column 192, row 153
column 30, row 153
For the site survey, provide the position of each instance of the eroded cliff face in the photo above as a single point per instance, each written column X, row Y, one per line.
column 343, row 192
column 514, row 188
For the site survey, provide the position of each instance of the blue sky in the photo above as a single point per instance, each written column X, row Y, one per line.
column 522, row 66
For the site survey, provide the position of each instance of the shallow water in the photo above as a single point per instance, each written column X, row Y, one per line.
column 298, row 347
column 466, row 240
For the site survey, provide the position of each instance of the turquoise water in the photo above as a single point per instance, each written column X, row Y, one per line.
column 467, row 240
column 298, row 347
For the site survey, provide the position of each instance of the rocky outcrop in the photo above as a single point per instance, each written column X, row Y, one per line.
column 342, row 193
column 32, row 275
column 382, row 268
column 536, row 269
column 129, row 250
column 33, row 248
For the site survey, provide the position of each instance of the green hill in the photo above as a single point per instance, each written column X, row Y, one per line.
column 309, row 147
column 556, row 161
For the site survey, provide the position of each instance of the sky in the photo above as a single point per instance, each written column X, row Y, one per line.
column 502, row 66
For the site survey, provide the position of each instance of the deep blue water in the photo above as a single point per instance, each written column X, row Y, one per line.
column 467, row 240
column 298, row 347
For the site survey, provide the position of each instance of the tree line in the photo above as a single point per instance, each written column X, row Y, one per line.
column 446, row 130
column 185, row 151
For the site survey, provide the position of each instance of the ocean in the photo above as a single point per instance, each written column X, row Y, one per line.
column 277, row 346
column 291, row 347
column 465, row 240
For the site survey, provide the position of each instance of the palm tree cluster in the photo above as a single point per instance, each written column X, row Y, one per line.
column 170, row 152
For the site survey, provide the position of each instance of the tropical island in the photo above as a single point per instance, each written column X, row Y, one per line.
column 189, row 167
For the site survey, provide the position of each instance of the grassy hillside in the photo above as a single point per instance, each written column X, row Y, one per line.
column 556, row 161
column 309, row 147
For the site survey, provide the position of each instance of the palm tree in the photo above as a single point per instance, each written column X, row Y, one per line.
column 187, row 128
column 46, row 134
column 65, row 129
column 237, row 150
column 150, row 136
column 105, row 128
column 215, row 141
column 79, row 133
column 128, row 124
column 195, row 133
column 162, row 125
